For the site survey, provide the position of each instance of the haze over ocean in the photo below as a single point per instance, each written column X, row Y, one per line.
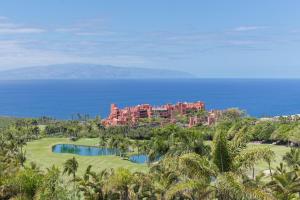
column 61, row 99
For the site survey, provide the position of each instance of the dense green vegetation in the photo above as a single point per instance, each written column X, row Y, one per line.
column 204, row 162
column 6, row 121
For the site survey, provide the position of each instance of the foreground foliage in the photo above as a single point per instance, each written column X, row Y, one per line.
column 182, row 166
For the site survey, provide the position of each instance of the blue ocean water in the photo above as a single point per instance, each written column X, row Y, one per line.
column 61, row 99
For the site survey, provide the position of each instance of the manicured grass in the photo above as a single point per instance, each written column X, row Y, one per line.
column 40, row 152
column 279, row 151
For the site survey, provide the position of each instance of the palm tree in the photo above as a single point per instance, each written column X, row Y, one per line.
column 195, row 174
column 91, row 184
column 143, row 147
column 142, row 187
column 103, row 140
column 52, row 187
column 138, row 145
column 115, row 142
column 21, row 157
column 202, row 179
column 221, row 154
column 121, row 182
column 27, row 183
column 238, row 161
column 224, row 176
column 123, row 147
column 292, row 158
column 285, row 185
column 21, row 142
column 70, row 167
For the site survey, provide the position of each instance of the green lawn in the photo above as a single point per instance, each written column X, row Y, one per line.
column 40, row 152
column 279, row 151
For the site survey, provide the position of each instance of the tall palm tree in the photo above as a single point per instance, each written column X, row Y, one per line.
column 52, row 187
column 142, row 187
column 202, row 179
column 221, row 154
column 91, row 184
column 292, row 158
column 70, row 167
column 123, row 147
column 138, row 144
column 103, row 140
column 21, row 157
column 114, row 143
column 238, row 161
column 194, row 177
column 121, row 182
column 224, row 175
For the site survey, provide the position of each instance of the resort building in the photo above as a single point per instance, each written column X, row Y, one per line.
column 131, row 115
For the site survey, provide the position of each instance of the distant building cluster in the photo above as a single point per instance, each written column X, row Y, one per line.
column 169, row 112
column 295, row 117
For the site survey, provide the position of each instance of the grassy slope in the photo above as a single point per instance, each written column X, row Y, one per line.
column 40, row 151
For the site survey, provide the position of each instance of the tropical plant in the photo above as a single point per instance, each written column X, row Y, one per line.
column 286, row 186
column 90, row 185
column 26, row 183
column 292, row 158
column 120, row 181
column 70, row 168
column 52, row 187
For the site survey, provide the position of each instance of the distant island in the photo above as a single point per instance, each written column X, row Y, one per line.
column 89, row 72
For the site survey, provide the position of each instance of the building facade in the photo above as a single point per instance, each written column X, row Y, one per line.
column 131, row 115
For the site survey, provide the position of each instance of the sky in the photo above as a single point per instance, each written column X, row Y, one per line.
column 209, row 38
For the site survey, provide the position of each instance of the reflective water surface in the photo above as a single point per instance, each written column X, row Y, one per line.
column 83, row 150
column 140, row 158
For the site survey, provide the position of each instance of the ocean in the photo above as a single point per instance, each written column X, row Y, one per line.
column 62, row 99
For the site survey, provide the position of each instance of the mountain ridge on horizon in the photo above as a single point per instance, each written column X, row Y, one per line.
column 76, row 71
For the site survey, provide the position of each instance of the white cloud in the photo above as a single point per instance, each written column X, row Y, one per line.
column 66, row 30
column 7, row 27
column 90, row 27
column 248, row 28
column 15, row 54
column 20, row 30
column 102, row 33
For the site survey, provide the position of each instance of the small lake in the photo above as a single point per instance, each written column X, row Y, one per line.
column 95, row 151
column 84, row 150
column 140, row 159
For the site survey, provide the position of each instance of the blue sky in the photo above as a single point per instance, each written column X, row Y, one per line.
column 241, row 39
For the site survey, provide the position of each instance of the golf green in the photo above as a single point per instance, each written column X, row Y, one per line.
column 40, row 152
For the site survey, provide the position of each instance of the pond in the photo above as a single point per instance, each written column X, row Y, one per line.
column 139, row 158
column 84, row 150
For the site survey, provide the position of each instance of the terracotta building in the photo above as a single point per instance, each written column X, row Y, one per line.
column 131, row 115
column 209, row 119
